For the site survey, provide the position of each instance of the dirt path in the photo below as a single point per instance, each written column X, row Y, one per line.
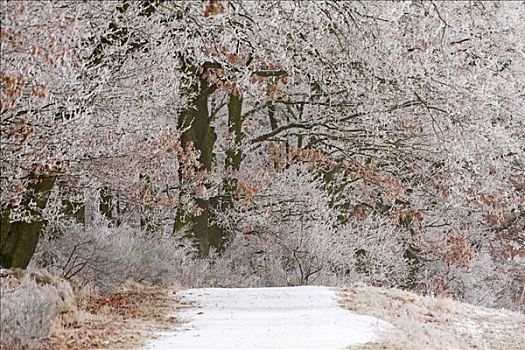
column 267, row 318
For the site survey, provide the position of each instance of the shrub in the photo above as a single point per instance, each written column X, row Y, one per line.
column 108, row 256
column 30, row 301
column 288, row 234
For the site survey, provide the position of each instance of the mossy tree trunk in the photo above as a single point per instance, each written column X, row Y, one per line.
column 234, row 155
column 19, row 239
column 73, row 201
column 197, row 122
column 105, row 205
column 75, row 210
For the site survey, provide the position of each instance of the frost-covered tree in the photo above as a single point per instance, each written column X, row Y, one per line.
column 402, row 121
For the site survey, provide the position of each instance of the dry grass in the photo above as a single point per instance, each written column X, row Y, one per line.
column 434, row 323
column 119, row 320
column 30, row 300
column 42, row 311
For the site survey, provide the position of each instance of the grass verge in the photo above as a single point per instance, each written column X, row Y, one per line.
column 434, row 323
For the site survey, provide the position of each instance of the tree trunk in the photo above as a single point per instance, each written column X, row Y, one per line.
column 19, row 239
column 234, row 156
column 199, row 132
column 105, row 204
column 73, row 208
column 76, row 210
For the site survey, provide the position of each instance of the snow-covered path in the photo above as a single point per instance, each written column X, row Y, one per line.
column 267, row 318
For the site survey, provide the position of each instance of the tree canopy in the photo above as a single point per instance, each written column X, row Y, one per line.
column 381, row 138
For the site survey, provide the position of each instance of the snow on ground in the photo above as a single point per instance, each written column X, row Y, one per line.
column 267, row 318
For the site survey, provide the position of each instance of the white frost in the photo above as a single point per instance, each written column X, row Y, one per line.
column 268, row 318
